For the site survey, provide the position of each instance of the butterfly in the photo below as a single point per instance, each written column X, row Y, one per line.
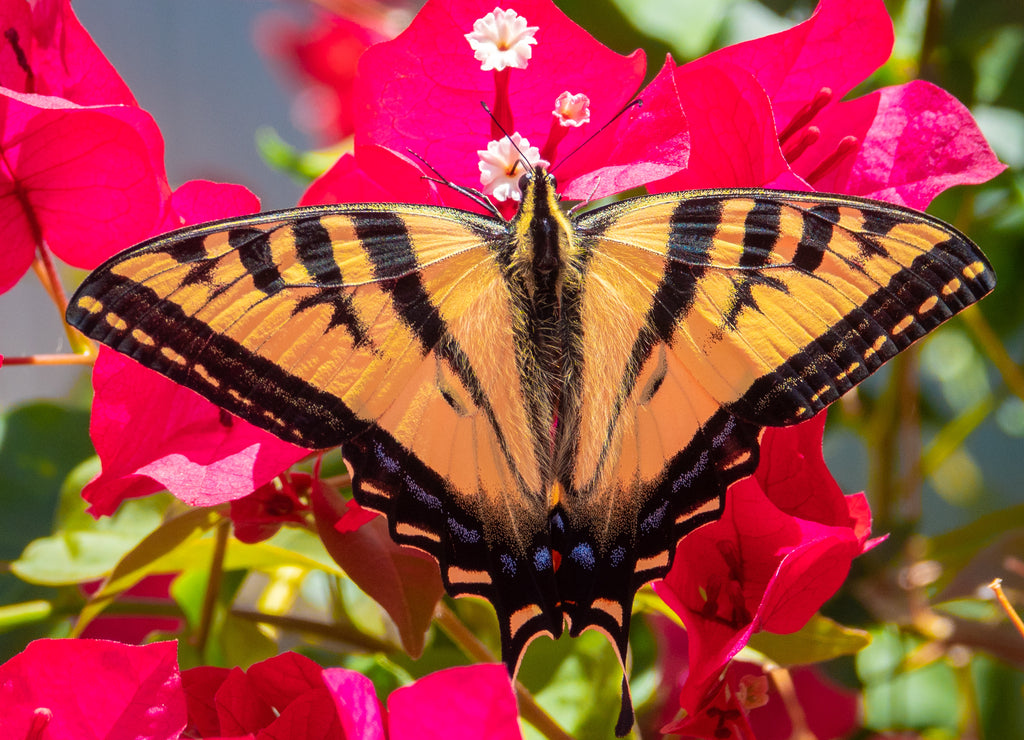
column 546, row 405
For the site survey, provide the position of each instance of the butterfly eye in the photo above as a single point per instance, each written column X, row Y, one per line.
column 524, row 181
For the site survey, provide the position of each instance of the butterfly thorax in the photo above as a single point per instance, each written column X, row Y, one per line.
column 541, row 262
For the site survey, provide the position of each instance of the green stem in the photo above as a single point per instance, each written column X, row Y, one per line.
column 213, row 583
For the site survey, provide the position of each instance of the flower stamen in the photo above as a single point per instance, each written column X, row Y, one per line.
column 806, row 114
column 572, row 110
column 807, row 137
column 40, row 719
column 846, row 145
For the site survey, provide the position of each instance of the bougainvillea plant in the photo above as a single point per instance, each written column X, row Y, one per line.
column 256, row 524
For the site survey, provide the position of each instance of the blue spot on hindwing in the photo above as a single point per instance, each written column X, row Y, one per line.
column 617, row 555
column 687, row 478
column 389, row 463
column 542, row 558
column 583, row 554
column 653, row 520
column 463, row 533
column 508, row 564
column 427, row 499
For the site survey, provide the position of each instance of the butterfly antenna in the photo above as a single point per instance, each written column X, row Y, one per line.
column 474, row 195
column 635, row 102
column 507, row 135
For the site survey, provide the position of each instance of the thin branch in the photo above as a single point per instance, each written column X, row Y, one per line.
column 51, row 360
column 213, row 584
column 997, row 587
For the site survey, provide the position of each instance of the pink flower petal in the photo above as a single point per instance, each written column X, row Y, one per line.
column 646, row 144
column 60, row 56
column 240, row 710
column 87, row 181
column 756, row 568
column 733, row 142
column 373, row 175
column 795, row 477
column 916, row 141
column 357, row 705
column 312, row 715
column 94, row 690
column 284, row 678
column 199, row 201
column 837, row 48
column 152, row 433
column 456, row 704
column 200, row 686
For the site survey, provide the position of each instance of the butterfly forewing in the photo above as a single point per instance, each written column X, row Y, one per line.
column 789, row 299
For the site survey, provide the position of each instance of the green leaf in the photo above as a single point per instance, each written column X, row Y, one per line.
column 85, row 549
column 40, row 443
column 151, row 555
column 820, row 639
column 927, row 696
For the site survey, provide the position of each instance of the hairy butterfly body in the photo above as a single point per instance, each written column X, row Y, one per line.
column 545, row 405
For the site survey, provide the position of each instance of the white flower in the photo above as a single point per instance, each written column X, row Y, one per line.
column 501, row 166
column 502, row 39
column 572, row 110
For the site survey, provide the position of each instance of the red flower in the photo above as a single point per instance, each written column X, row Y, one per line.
column 322, row 57
column 746, row 703
column 87, row 181
column 769, row 112
column 92, row 690
column 46, row 51
column 290, row 697
column 422, row 93
column 82, row 166
column 259, row 515
column 783, row 546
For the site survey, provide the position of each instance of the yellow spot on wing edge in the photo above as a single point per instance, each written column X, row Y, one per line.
column 461, row 575
column 90, row 304
column 143, row 338
column 116, row 321
column 612, row 608
column 709, row 508
column 173, row 356
column 202, row 373
column 518, row 618
column 928, row 304
column 654, row 561
column 409, row 530
column 951, row 287
column 973, row 270
column 903, row 324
